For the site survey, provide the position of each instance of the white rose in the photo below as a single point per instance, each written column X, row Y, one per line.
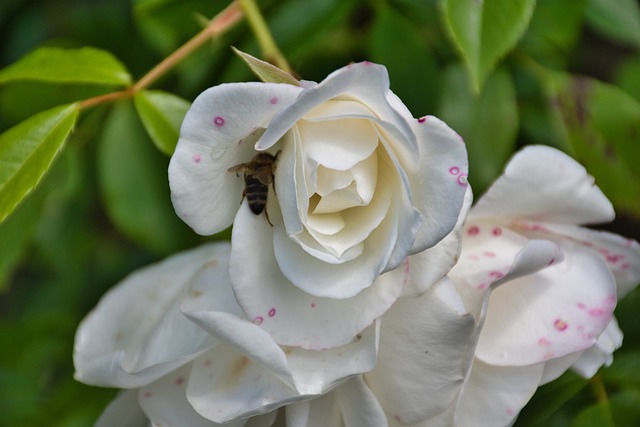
column 532, row 295
column 360, row 185
column 174, row 336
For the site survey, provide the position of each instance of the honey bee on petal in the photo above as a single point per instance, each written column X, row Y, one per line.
column 258, row 175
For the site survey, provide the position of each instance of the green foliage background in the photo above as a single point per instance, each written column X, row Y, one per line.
column 503, row 73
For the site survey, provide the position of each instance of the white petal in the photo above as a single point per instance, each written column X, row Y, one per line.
column 137, row 334
column 123, row 411
column 494, row 395
column 431, row 265
column 423, row 357
column 219, row 132
column 364, row 82
column 601, row 354
column 440, row 183
column 621, row 254
column 291, row 316
column 554, row 312
column 321, row 411
column 543, row 184
column 316, row 372
column 359, row 405
column 165, row 402
column 553, row 368
column 225, row 385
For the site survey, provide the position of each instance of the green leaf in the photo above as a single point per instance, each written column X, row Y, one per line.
column 485, row 31
column 28, row 149
column 601, row 124
column 84, row 65
column 628, row 76
column 617, row 19
column 161, row 114
column 598, row 415
column 265, row 71
column 399, row 44
column 133, row 182
column 488, row 122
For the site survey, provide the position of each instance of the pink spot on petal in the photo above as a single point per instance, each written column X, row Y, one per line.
column 548, row 356
column 496, row 231
column 544, row 342
column 197, row 158
column 552, row 261
column 258, row 320
column 147, row 394
column 179, row 381
column 313, row 305
column 581, row 306
column 454, row 170
column 272, row 312
column 596, row 312
column 422, row 119
column 274, row 100
column 462, row 179
column 489, row 254
column 218, row 121
column 496, row 274
column 510, row 412
column 482, row 286
column 207, row 363
column 473, row 230
column 560, row 325
column 625, row 266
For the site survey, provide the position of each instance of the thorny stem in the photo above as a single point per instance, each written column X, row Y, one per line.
column 270, row 50
column 222, row 22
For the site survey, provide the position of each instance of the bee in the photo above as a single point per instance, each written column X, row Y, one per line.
column 258, row 175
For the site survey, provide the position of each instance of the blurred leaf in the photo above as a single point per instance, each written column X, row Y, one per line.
column 84, row 65
column 554, row 30
column 549, row 398
column 161, row 114
column 625, row 370
column 598, row 415
column 617, row 19
column 602, row 126
column 28, row 149
column 628, row 77
column 399, row 44
column 134, row 185
column 488, row 122
column 485, row 31
column 265, row 71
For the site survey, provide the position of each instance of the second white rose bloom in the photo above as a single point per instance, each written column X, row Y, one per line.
column 359, row 186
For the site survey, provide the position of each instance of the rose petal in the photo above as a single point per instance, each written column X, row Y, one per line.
column 291, row 316
column 123, row 411
column 364, row 82
column 218, row 132
column 554, row 312
column 423, row 338
column 621, row 254
column 543, row 184
column 317, row 372
column 553, row 368
column 165, row 402
column 431, row 265
column 137, row 334
column 359, row 405
column 440, row 183
column 601, row 354
column 494, row 395
column 319, row 412
column 224, row 386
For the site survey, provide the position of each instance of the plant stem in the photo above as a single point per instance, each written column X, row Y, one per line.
column 222, row 22
column 256, row 21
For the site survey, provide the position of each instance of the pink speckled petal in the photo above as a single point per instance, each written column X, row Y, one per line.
column 219, row 131
column 494, row 395
column 556, row 311
column 123, row 411
column 423, row 357
column 165, row 402
column 543, row 184
column 431, row 265
column 621, row 254
column 440, row 183
column 601, row 354
column 137, row 334
column 291, row 316
column 224, row 385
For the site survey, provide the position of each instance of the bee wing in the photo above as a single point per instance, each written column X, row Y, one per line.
column 264, row 175
column 237, row 168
